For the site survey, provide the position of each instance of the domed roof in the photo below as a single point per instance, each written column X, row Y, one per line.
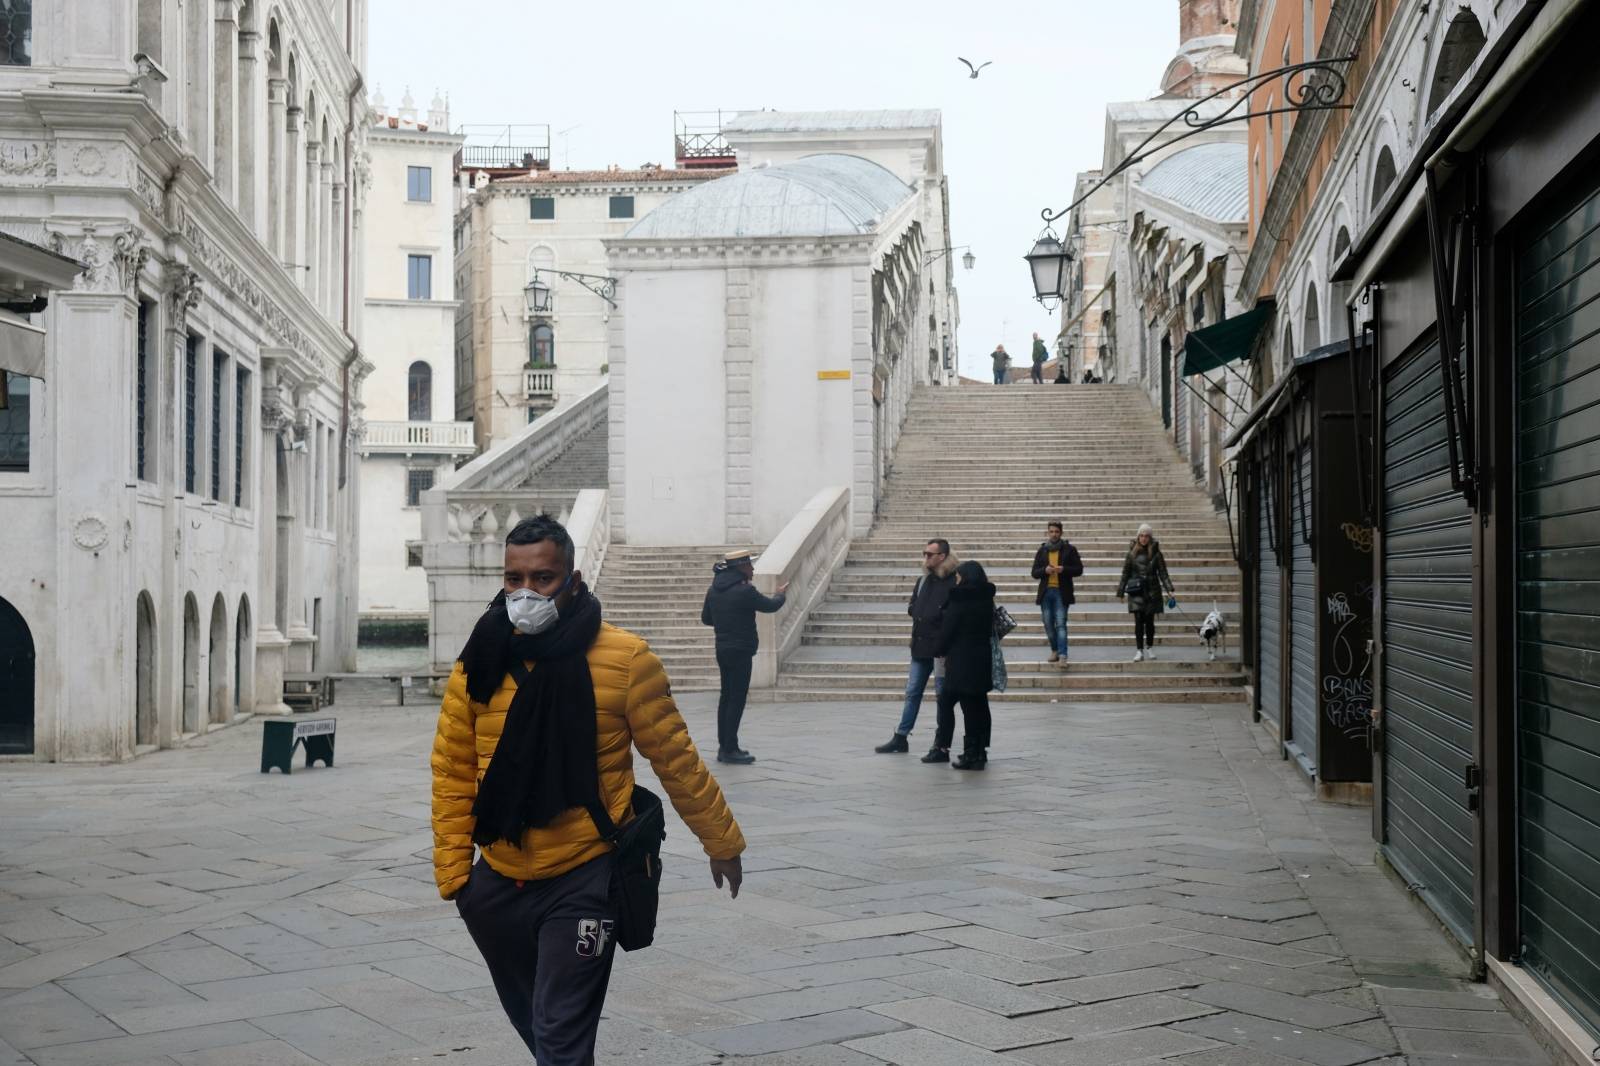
column 819, row 196
column 1208, row 179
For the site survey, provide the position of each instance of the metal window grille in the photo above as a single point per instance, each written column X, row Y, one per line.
column 417, row 482
column 622, row 207
column 16, row 33
column 419, row 184
column 191, row 367
column 541, row 208
column 413, row 555
column 141, row 391
column 219, row 370
column 419, row 277
column 241, row 395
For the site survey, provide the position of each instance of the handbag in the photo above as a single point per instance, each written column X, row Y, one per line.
column 636, row 867
column 997, row 665
column 1134, row 587
column 1003, row 622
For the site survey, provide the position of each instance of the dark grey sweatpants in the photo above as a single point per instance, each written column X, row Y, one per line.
column 548, row 946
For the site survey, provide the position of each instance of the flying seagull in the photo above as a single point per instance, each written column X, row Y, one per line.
column 975, row 69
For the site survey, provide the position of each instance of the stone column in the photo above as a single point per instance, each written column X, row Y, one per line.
column 224, row 80
column 325, row 235
column 94, row 325
column 272, row 647
column 289, row 180
column 277, row 96
column 336, row 264
column 738, row 520
column 251, row 138
column 311, row 277
column 293, row 519
column 183, row 294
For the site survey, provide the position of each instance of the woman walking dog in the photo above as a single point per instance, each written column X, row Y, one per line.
column 1146, row 585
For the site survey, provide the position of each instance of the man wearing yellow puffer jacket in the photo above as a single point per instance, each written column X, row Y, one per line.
column 538, row 723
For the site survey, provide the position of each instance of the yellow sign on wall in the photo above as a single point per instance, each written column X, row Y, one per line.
column 833, row 375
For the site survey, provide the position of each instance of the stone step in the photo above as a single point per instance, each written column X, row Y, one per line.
column 1155, row 694
column 1069, row 680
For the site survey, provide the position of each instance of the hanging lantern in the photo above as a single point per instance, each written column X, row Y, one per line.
column 1048, row 262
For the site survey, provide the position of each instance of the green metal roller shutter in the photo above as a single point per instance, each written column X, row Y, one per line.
column 1429, row 832
column 1558, row 605
column 1180, row 419
column 1269, row 597
column 1302, row 623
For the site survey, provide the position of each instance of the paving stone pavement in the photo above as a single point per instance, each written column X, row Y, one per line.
column 1127, row 883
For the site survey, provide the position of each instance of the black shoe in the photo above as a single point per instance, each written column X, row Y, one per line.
column 971, row 760
column 937, row 755
column 897, row 743
column 737, row 757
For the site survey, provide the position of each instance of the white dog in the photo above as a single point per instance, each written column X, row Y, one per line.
column 1214, row 631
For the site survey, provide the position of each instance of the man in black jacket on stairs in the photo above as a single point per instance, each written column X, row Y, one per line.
column 730, row 608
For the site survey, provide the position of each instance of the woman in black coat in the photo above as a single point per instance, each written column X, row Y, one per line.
column 964, row 635
column 1146, row 584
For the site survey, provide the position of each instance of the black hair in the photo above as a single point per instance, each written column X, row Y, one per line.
column 944, row 545
column 971, row 573
column 1054, row 524
column 542, row 527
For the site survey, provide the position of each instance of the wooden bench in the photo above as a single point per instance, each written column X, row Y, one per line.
column 280, row 736
column 305, row 685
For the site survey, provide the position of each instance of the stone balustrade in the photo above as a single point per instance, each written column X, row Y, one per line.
column 418, row 438
column 539, row 383
column 804, row 555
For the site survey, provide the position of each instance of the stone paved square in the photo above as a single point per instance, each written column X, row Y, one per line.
column 1126, row 883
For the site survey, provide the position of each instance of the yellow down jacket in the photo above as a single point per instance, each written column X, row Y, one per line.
column 633, row 705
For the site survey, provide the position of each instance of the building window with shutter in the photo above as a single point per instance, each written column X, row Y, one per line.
column 191, row 413
column 419, row 184
column 241, row 420
column 16, row 33
column 542, row 208
column 419, row 277
column 622, row 207
column 219, row 374
column 418, row 482
column 15, row 410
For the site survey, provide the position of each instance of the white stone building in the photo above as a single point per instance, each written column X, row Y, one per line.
column 410, row 438
column 910, row 145
column 519, row 364
column 179, row 517
column 771, row 326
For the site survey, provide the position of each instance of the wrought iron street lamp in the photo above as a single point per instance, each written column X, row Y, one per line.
column 968, row 260
column 538, row 296
column 1048, row 262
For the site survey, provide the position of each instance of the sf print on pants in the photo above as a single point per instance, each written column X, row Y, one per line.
column 549, row 947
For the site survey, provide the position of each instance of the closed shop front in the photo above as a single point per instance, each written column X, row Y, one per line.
column 1302, row 742
column 1558, row 599
column 1269, row 599
column 1428, row 830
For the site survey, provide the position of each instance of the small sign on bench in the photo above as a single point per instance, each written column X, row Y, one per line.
column 279, row 738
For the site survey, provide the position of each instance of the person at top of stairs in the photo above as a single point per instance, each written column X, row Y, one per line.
column 1002, row 363
column 926, row 607
column 1055, row 564
column 1039, row 355
column 965, row 636
column 1146, row 585
column 730, row 608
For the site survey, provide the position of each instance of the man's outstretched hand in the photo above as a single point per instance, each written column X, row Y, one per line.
column 732, row 869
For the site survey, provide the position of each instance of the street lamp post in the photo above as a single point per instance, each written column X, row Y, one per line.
column 538, row 296
column 968, row 260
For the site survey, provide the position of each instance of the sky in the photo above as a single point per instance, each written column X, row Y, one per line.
column 613, row 73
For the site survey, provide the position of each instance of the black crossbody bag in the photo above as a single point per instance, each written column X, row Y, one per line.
column 636, row 866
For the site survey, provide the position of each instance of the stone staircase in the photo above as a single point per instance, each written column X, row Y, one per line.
column 986, row 467
column 656, row 593
column 583, row 465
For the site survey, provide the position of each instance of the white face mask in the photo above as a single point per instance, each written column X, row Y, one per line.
column 530, row 612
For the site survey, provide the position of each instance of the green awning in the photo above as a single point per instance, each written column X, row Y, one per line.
column 1216, row 345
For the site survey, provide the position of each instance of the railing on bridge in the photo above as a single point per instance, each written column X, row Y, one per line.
column 804, row 555
column 465, row 519
column 412, row 438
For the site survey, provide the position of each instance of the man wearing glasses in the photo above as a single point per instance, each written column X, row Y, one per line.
column 928, row 597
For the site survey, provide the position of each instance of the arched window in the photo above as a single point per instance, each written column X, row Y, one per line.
column 1463, row 40
column 419, row 392
column 1339, row 294
column 1383, row 174
column 542, row 345
column 1313, row 331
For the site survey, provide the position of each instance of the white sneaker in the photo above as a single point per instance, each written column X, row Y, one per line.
column 1138, row 656
column 1150, row 653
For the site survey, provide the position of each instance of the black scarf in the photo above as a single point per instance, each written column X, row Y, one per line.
column 545, row 761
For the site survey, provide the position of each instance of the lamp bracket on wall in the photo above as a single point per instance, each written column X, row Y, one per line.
column 602, row 285
column 1318, row 85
